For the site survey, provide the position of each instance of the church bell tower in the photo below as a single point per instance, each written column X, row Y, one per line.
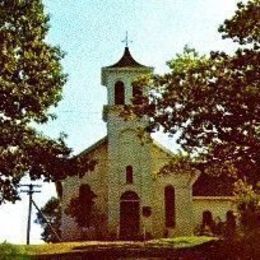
column 128, row 158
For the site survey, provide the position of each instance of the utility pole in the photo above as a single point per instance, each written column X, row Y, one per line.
column 29, row 192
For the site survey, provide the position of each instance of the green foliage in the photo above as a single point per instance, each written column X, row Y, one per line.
column 179, row 164
column 213, row 102
column 31, row 81
column 9, row 251
column 244, row 26
column 248, row 203
column 81, row 207
column 51, row 211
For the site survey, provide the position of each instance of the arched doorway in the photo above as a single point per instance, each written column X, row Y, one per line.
column 129, row 216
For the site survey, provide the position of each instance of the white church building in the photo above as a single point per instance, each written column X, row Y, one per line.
column 133, row 200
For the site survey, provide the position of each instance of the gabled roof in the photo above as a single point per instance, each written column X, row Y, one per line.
column 127, row 61
column 94, row 146
column 163, row 149
column 206, row 185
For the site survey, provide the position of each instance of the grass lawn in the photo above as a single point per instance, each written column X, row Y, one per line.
column 101, row 247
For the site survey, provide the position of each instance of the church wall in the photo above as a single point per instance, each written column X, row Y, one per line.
column 188, row 209
column 97, row 180
column 194, row 205
column 149, row 187
column 159, row 159
column 182, row 184
column 218, row 206
column 69, row 229
column 126, row 149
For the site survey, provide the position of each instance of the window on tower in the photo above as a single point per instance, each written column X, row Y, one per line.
column 119, row 93
column 129, row 174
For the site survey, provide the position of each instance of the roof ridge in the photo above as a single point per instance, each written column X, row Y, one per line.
column 93, row 146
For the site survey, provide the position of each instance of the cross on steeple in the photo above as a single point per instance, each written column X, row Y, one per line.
column 126, row 40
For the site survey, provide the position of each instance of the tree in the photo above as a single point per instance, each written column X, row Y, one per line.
column 213, row 101
column 248, row 206
column 31, row 81
column 81, row 207
column 51, row 211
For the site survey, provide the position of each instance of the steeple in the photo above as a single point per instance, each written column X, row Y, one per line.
column 128, row 160
column 125, row 63
column 127, row 60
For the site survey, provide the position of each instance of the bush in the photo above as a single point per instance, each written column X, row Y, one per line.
column 250, row 244
column 9, row 251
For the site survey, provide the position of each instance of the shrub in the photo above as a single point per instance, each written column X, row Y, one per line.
column 9, row 251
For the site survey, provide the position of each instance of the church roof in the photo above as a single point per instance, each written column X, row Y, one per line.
column 127, row 61
column 206, row 185
column 93, row 147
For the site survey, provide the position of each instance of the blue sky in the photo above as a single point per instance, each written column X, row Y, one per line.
column 90, row 32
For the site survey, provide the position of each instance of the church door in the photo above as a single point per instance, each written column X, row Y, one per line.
column 129, row 216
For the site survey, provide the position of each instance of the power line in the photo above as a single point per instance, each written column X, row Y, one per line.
column 79, row 111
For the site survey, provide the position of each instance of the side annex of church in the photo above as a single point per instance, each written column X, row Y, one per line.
column 132, row 199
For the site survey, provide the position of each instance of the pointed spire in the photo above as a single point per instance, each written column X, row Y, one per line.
column 127, row 61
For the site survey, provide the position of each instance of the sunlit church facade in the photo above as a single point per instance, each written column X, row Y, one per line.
column 133, row 200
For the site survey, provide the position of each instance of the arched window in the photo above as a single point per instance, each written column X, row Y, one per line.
column 207, row 218
column 208, row 224
column 137, row 95
column 230, row 223
column 129, row 174
column 169, row 196
column 129, row 196
column 119, row 93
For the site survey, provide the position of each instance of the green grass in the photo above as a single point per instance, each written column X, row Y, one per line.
column 8, row 251
column 97, row 246
column 181, row 242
